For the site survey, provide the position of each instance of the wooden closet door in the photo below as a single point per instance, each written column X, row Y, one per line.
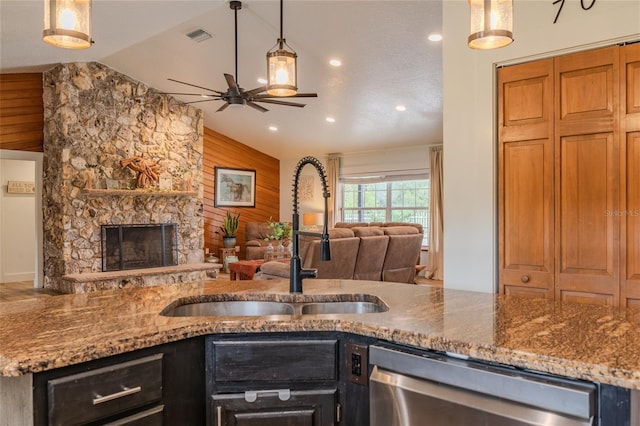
column 630, row 183
column 526, row 179
column 587, row 177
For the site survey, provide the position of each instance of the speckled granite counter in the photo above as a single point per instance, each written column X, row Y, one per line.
column 580, row 341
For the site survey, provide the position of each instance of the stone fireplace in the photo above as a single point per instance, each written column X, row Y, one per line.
column 94, row 118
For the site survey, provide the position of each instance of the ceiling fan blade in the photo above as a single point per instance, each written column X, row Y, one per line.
column 185, row 94
column 256, row 106
column 223, row 107
column 193, row 85
column 297, row 95
column 255, row 91
column 231, row 82
column 277, row 102
column 204, row 100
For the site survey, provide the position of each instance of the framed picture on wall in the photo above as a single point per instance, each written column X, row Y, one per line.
column 235, row 187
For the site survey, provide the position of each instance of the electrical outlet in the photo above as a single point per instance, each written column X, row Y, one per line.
column 357, row 363
column 237, row 249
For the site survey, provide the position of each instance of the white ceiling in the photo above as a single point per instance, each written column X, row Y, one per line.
column 387, row 60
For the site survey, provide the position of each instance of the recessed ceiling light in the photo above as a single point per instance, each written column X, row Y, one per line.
column 401, row 108
column 435, row 37
column 262, row 80
column 330, row 120
column 273, row 128
column 335, row 62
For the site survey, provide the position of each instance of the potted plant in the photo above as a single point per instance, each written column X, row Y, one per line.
column 229, row 228
column 280, row 231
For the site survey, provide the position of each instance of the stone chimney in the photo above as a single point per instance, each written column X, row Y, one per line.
column 95, row 117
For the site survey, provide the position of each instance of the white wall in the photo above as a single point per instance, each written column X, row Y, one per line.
column 470, row 199
column 17, row 223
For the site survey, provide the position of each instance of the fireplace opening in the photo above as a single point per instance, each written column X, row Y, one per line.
column 139, row 246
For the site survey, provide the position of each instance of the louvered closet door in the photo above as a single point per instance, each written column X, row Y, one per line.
column 526, row 179
column 587, row 177
column 630, row 184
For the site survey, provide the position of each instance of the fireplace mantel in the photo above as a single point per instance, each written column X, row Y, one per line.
column 137, row 192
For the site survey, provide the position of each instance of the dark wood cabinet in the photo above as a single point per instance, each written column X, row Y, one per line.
column 300, row 408
column 274, row 379
column 154, row 386
column 318, row 378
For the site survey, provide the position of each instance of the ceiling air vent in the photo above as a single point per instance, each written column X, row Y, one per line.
column 199, row 35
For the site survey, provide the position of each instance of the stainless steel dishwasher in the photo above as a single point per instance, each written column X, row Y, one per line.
column 408, row 389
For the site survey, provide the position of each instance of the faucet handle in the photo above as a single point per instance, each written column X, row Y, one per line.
column 308, row 273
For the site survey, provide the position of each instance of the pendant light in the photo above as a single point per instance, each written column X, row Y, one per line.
column 282, row 68
column 491, row 24
column 67, row 23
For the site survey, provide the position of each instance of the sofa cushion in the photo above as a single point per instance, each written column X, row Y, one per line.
column 341, row 233
column 367, row 231
column 275, row 269
column 415, row 225
column 371, row 254
column 400, row 230
column 343, row 258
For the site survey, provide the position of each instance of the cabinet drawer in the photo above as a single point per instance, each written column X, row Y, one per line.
column 275, row 361
column 150, row 417
column 316, row 407
column 95, row 394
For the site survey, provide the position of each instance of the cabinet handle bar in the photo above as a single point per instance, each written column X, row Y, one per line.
column 99, row 399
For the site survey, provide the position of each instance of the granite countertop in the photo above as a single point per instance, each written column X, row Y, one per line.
column 581, row 341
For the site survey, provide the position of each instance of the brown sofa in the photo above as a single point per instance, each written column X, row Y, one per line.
column 381, row 252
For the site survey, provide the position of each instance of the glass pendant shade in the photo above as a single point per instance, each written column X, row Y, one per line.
column 282, row 70
column 67, row 23
column 491, row 24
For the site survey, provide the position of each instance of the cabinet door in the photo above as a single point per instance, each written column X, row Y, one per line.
column 630, row 184
column 587, row 177
column 526, row 179
column 302, row 408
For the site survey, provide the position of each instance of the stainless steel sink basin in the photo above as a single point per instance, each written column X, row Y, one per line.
column 351, row 307
column 231, row 308
column 305, row 305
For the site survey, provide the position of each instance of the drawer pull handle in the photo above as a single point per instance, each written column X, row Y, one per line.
column 252, row 396
column 99, row 399
column 524, row 278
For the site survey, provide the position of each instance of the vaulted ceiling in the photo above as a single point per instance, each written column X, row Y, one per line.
column 387, row 60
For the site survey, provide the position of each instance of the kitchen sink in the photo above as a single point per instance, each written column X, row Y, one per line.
column 310, row 305
column 231, row 308
column 351, row 307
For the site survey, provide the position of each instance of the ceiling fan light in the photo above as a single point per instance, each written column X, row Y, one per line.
column 491, row 24
column 67, row 23
column 282, row 70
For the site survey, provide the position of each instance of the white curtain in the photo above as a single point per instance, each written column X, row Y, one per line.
column 435, row 258
column 333, row 174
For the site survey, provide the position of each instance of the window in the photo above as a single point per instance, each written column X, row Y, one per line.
column 386, row 201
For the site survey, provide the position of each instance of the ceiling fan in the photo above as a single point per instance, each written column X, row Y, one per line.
column 236, row 95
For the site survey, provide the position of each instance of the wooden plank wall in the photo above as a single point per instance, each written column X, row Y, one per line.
column 222, row 151
column 21, row 112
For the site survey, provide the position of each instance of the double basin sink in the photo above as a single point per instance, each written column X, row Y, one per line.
column 260, row 305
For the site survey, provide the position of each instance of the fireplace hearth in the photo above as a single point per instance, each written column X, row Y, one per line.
column 139, row 246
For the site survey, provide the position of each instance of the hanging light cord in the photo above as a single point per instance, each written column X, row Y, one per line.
column 235, row 15
column 281, row 24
